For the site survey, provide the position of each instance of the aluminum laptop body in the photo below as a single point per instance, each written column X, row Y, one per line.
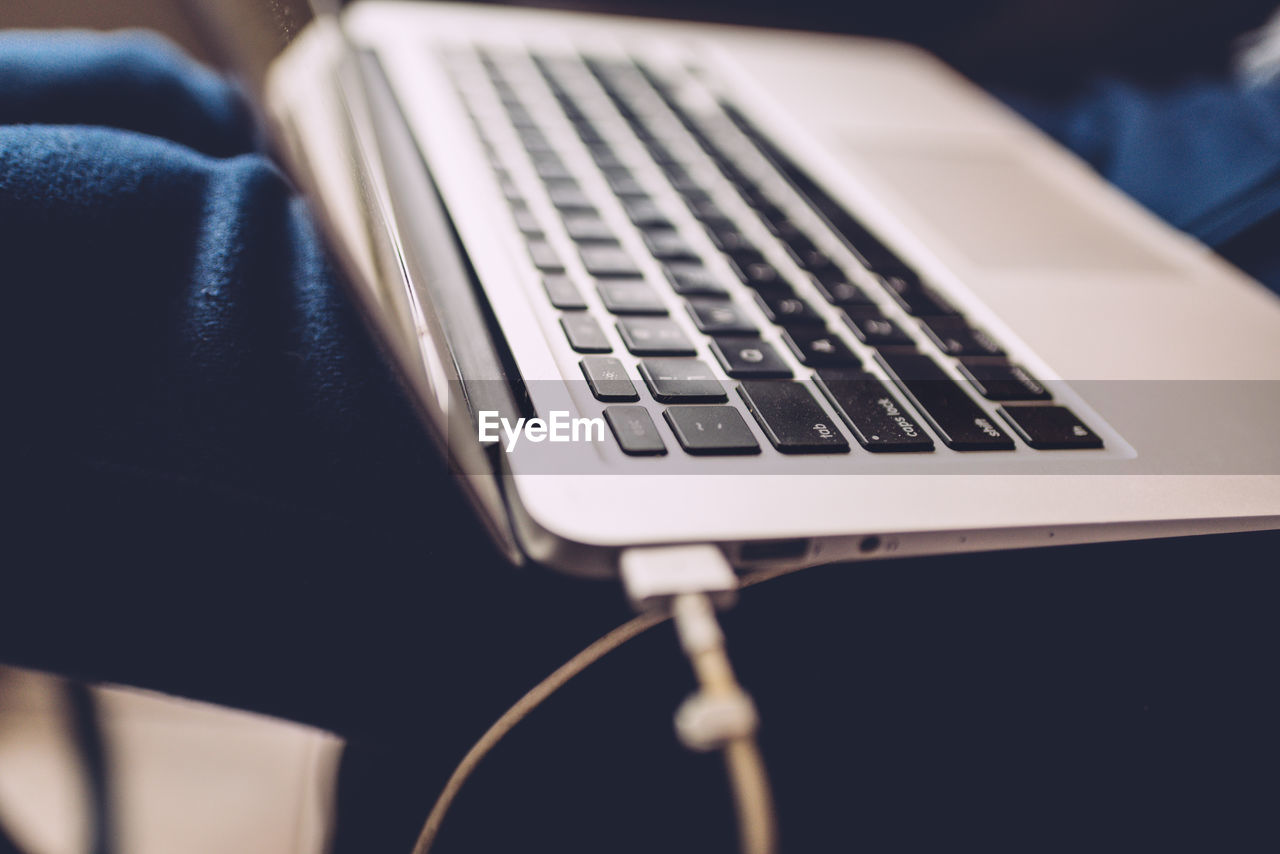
column 1164, row 356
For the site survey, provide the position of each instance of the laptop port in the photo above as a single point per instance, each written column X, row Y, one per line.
column 773, row 550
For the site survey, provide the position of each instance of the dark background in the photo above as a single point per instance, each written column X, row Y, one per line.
column 1031, row 42
column 1012, row 41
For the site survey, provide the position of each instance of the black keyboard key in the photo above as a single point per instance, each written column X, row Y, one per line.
column 1003, row 380
column 545, row 257
column 681, row 180
column 605, row 261
column 506, row 94
column 624, row 108
column 519, row 116
column 527, row 222
column 587, row 132
column 837, row 287
column 640, row 128
column 955, row 337
column 711, row 430
column 681, row 381
column 588, row 228
column 635, row 431
column 777, row 221
column 569, row 105
column 805, row 254
column 491, row 154
column 749, row 358
column 719, row 317
column 584, row 334
column 694, row 280
column 732, row 172
column 753, row 195
column 704, row 141
column 645, row 213
column 960, row 422
column 820, row 348
column 808, row 256
column 623, row 183
column 729, row 240
column 563, row 293
column 746, row 255
column 534, row 141
column 659, row 152
column 790, row 311
column 551, row 168
column 791, row 418
column 705, row 210
column 842, row 293
column 697, row 200
column 914, row 297
column 874, row 329
column 607, row 378
column 1050, row 428
column 668, row 245
column 816, row 260
column 609, row 69
column 604, row 156
column 510, row 190
column 759, row 275
column 630, row 296
column 712, row 220
column 654, row 336
column 873, row 414
column 568, row 196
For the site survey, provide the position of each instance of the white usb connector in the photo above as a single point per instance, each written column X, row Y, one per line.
column 689, row 582
column 654, row 576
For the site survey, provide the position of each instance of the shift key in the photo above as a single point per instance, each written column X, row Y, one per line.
column 961, row 423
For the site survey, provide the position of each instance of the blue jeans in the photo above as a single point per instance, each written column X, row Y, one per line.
column 219, row 490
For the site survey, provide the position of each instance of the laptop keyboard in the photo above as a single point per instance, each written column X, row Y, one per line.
column 922, row 401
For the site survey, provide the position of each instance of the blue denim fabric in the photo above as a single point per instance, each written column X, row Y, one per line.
column 131, row 80
column 1204, row 155
column 213, row 484
column 172, row 291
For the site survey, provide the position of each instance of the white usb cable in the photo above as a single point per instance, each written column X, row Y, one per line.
column 684, row 583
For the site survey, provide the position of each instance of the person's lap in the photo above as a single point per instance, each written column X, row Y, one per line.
column 216, row 488
column 220, row 491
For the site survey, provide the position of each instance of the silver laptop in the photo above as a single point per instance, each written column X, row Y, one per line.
column 806, row 298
